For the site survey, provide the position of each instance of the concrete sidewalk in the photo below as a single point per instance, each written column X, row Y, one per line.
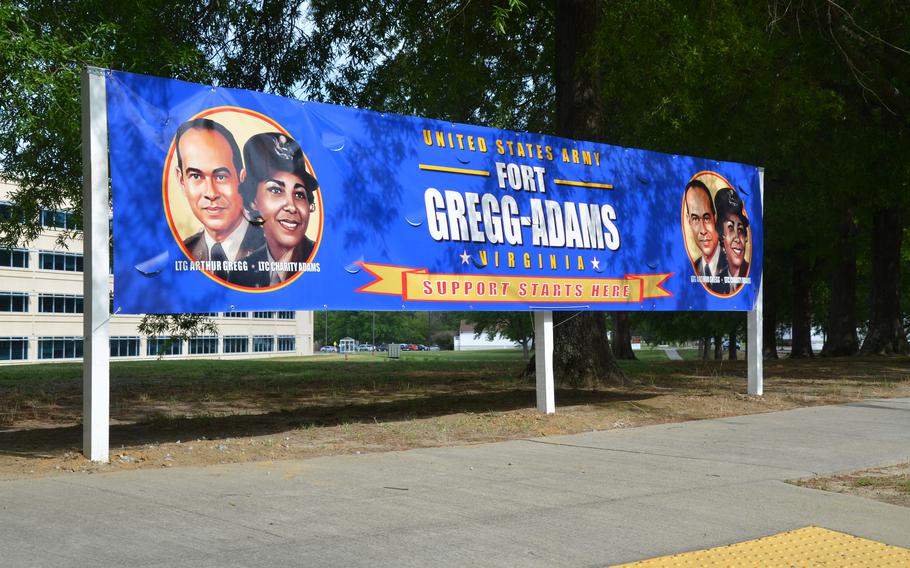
column 586, row 500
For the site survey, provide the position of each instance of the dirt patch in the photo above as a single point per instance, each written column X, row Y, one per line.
column 169, row 414
column 890, row 484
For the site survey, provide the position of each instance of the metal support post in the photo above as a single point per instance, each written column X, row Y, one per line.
column 755, row 347
column 543, row 354
column 96, row 291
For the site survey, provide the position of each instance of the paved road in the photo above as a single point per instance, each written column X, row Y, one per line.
column 673, row 355
column 584, row 500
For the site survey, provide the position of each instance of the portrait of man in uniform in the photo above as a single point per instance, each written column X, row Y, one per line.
column 209, row 172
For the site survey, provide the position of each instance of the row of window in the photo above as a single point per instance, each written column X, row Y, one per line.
column 49, row 218
column 47, row 260
column 73, row 304
column 16, row 348
column 260, row 315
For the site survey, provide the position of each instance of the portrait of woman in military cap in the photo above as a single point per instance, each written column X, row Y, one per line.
column 279, row 194
column 733, row 228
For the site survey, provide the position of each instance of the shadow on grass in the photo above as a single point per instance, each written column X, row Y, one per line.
column 47, row 442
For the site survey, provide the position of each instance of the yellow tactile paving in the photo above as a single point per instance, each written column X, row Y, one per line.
column 810, row 547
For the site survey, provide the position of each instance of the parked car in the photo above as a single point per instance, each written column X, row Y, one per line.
column 433, row 348
column 365, row 347
column 329, row 349
column 412, row 347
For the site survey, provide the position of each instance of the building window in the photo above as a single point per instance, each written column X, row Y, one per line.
column 236, row 344
column 236, row 314
column 263, row 343
column 60, row 303
column 59, row 347
column 58, row 219
column 286, row 342
column 264, row 315
column 67, row 261
column 208, row 314
column 285, row 315
column 14, row 258
column 163, row 346
column 6, row 210
column 202, row 345
column 13, row 302
column 13, row 348
column 124, row 347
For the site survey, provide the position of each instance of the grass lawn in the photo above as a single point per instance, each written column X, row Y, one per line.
column 246, row 410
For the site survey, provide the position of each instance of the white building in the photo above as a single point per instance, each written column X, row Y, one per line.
column 466, row 340
column 41, row 307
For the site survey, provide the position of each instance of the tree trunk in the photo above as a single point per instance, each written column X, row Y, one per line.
column 769, row 328
column 886, row 331
column 801, row 331
column 732, row 350
column 705, row 347
column 622, row 336
column 718, row 347
column 579, row 109
column 581, row 354
column 841, row 336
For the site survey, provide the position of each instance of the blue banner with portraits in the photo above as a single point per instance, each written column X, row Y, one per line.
column 226, row 199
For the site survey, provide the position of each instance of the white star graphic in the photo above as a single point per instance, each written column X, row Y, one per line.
column 465, row 257
column 595, row 263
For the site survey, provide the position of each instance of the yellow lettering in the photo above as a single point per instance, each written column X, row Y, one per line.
column 511, row 260
column 586, row 158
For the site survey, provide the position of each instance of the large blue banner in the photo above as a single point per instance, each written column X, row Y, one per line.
column 227, row 200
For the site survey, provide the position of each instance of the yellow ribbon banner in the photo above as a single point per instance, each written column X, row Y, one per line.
column 417, row 284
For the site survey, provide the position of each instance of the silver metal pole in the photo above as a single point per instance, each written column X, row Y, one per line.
column 754, row 353
column 543, row 355
column 96, row 291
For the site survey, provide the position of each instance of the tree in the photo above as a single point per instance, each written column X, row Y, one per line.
column 582, row 353
column 867, row 50
column 515, row 326
column 44, row 47
column 622, row 335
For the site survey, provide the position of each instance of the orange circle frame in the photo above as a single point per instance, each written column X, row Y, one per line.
column 686, row 238
column 176, row 234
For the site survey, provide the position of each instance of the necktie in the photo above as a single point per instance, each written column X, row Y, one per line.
column 218, row 256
